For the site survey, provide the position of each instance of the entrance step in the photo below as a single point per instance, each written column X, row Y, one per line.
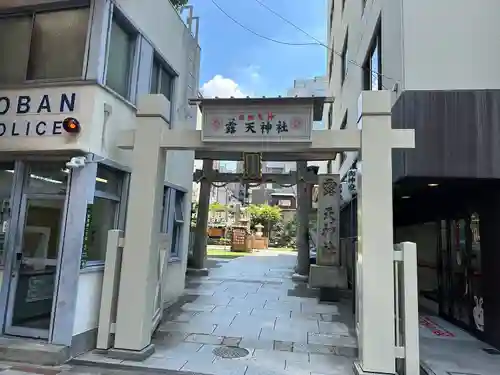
column 32, row 352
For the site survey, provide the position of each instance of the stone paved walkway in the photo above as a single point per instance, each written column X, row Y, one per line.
column 251, row 303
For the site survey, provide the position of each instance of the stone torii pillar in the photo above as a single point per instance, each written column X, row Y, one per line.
column 304, row 200
column 200, row 235
column 375, row 267
column 140, row 254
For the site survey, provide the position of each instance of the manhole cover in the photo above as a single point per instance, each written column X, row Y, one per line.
column 230, row 352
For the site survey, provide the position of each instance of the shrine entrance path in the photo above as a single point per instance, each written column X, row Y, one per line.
column 252, row 303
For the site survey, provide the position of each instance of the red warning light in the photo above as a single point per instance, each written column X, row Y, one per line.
column 71, row 125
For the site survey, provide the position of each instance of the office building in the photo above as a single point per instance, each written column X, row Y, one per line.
column 446, row 86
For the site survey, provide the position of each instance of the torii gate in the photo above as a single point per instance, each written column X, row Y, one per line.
column 207, row 176
column 374, row 138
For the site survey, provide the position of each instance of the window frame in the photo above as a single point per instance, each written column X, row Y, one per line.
column 344, row 61
column 178, row 225
column 163, row 68
column 332, row 13
column 375, row 45
column 331, row 63
column 172, row 225
column 119, row 199
column 330, row 116
column 343, row 125
column 31, row 12
column 126, row 26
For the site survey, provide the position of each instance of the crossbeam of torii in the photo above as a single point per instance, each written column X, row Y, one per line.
column 279, row 178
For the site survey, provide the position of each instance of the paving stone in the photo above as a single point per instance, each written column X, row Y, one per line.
column 271, row 313
column 207, row 328
column 333, row 340
column 327, row 317
column 255, row 369
column 335, row 328
column 346, row 351
column 231, row 341
column 313, row 348
column 246, row 310
column 284, row 346
column 289, row 334
column 317, row 308
column 220, row 319
column 249, row 343
column 253, row 321
column 181, row 350
column 281, row 356
column 204, row 339
column 238, row 331
column 297, row 324
column 197, row 307
column 215, row 368
column 158, row 363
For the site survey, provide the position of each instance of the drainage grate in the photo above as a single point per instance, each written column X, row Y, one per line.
column 491, row 351
column 230, row 352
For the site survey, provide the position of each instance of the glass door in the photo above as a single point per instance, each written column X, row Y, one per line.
column 31, row 296
column 444, row 269
column 459, row 268
column 475, row 275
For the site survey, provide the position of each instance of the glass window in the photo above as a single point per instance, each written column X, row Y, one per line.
column 372, row 68
column 155, row 84
column 165, row 215
column 161, row 80
column 178, row 224
column 48, row 178
column 109, row 181
column 53, row 34
column 15, row 36
column 343, row 125
column 121, row 53
column 102, row 216
column 6, row 181
column 30, row 46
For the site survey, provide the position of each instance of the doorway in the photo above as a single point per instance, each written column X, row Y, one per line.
column 460, row 286
column 37, row 248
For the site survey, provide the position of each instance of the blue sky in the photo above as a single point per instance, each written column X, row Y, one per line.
column 236, row 62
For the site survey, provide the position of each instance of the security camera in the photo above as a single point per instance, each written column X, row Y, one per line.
column 76, row 162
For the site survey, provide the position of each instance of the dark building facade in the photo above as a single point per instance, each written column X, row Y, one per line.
column 447, row 200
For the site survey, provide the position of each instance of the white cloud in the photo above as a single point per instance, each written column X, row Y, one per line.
column 253, row 71
column 222, row 88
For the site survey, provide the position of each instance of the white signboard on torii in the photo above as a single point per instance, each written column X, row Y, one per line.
column 257, row 123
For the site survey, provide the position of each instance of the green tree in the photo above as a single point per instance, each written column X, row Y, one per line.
column 264, row 214
column 216, row 206
column 178, row 3
column 286, row 233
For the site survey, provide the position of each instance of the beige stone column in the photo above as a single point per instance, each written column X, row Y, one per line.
column 137, row 286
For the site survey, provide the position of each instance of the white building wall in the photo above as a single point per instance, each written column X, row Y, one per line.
column 104, row 114
column 426, row 45
column 168, row 34
column 455, row 49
